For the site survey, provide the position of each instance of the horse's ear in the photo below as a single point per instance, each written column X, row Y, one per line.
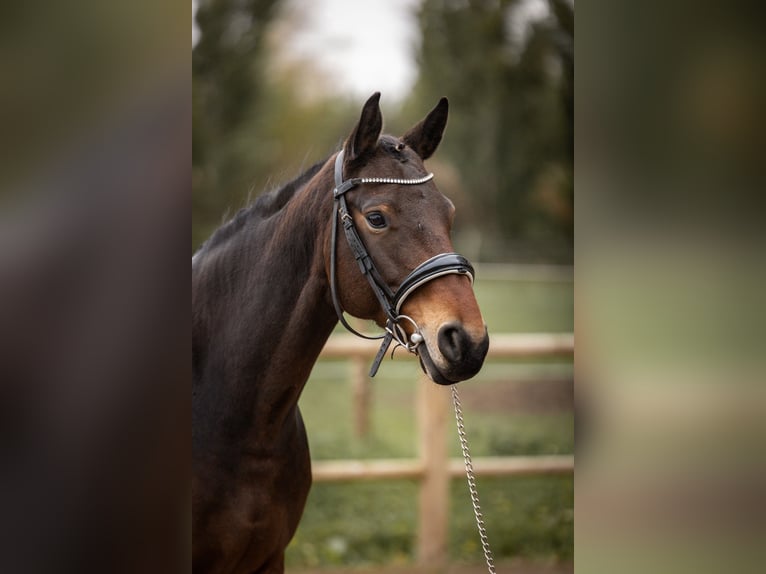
column 425, row 136
column 364, row 138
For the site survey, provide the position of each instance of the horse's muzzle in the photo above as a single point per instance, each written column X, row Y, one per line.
column 462, row 355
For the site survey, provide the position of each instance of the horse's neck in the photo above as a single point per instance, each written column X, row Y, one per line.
column 272, row 321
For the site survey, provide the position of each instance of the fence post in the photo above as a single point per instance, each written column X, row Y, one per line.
column 361, row 390
column 433, row 403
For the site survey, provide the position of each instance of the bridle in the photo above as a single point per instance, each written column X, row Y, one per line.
column 390, row 301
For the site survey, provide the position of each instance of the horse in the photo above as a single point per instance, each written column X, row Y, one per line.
column 269, row 286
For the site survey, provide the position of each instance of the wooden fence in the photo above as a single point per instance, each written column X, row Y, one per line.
column 433, row 468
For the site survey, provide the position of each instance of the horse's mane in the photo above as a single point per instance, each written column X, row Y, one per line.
column 265, row 205
column 268, row 204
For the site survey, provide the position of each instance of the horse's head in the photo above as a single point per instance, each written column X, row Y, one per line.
column 404, row 221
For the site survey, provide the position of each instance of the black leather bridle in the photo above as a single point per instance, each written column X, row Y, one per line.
column 390, row 301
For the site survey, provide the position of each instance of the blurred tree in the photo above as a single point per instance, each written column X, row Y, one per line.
column 259, row 117
column 227, row 89
column 510, row 83
column 509, row 79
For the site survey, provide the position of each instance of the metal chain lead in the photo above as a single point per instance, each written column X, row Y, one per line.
column 472, row 481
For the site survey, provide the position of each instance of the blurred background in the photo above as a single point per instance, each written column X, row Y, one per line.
column 278, row 85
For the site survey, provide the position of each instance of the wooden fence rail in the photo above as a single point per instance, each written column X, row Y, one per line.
column 501, row 346
column 344, row 470
column 433, row 468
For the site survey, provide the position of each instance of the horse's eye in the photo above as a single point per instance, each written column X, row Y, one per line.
column 376, row 220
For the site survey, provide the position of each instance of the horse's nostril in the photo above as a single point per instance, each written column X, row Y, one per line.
column 453, row 340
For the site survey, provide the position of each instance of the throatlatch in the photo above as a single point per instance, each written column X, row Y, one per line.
column 390, row 301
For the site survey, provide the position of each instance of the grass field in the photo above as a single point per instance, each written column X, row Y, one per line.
column 511, row 408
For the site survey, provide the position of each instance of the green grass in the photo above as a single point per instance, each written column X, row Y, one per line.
column 356, row 524
column 530, row 517
column 526, row 306
column 374, row 523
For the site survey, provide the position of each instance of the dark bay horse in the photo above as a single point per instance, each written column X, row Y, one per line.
column 267, row 289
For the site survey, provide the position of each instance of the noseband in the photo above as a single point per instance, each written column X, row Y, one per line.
column 390, row 301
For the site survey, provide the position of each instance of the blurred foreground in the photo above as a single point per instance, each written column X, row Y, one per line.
column 95, row 110
column 670, row 273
